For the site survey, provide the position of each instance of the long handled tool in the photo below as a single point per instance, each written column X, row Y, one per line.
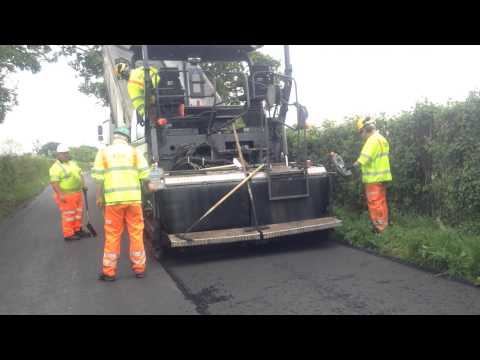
column 90, row 228
column 244, row 168
column 219, row 202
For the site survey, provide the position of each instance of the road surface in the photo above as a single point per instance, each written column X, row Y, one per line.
column 40, row 273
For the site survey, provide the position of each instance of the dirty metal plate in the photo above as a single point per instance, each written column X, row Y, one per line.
column 247, row 234
column 214, row 237
column 298, row 227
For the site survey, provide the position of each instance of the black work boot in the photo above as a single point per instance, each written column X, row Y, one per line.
column 104, row 277
column 72, row 237
column 82, row 234
column 140, row 275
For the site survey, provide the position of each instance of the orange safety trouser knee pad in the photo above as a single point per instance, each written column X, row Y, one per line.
column 115, row 217
column 71, row 211
column 377, row 205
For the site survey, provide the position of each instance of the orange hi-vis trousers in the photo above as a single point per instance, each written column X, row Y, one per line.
column 72, row 212
column 377, row 205
column 115, row 218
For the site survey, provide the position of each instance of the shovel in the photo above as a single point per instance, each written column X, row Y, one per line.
column 90, row 228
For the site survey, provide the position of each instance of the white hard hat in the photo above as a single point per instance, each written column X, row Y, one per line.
column 62, row 148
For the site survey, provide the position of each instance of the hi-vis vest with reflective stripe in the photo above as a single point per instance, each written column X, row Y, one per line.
column 121, row 168
column 136, row 87
column 67, row 175
column 374, row 159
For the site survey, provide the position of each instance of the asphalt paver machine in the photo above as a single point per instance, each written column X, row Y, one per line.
column 220, row 142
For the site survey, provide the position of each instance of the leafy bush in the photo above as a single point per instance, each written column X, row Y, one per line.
column 21, row 177
column 83, row 154
column 434, row 156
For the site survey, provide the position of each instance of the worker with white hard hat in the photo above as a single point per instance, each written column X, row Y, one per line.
column 67, row 182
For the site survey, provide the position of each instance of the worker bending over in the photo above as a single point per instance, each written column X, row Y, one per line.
column 119, row 170
column 67, row 182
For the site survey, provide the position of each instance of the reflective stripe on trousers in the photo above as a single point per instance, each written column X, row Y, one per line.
column 377, row 205
column 138, row 258
column 115, row 217
column 71, row 212
column 110, row 259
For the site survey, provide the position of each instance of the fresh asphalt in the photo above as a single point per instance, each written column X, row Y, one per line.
column 40, row 273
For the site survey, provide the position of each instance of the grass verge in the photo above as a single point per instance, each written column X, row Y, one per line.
column 21, row 178
column 419, row 240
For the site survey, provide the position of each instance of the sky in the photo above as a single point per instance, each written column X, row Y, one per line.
column 334, row 82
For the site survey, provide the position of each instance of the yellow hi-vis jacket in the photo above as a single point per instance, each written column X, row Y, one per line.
column 136, row 87
column 374, row 160
column 120, row 167
column 68, row 175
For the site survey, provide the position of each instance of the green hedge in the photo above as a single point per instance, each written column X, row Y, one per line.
column 435, row 159
column 21, row 178
column 85, row 166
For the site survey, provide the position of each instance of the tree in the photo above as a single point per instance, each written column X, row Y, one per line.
column 48, row 149
column 37, row 146
column 19, row 57
column 87, row 61
column 226, row 87
column 83, row 153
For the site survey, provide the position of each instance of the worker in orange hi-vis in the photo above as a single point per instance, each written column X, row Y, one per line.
column 119, row 170
column 375, row 166
column 67, row 182
column 374, row 163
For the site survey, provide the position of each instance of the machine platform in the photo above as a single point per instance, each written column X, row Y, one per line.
column 246, row 234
